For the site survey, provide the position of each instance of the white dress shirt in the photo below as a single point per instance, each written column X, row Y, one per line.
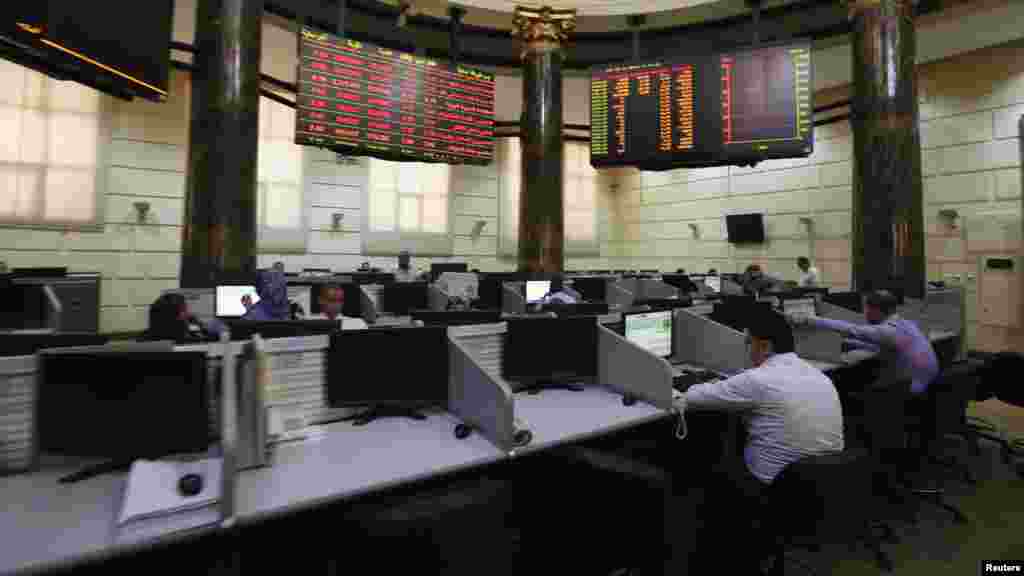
column 791, row 410
column 808, row 279
column 347, row 322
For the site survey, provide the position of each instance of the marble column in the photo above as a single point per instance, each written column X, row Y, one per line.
column 219, row 241
column 888, row 218
column 541, row 226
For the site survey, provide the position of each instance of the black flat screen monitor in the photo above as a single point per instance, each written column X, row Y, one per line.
column 849, row 300
column 401, row 298
column 441, row 267
column 244, row 329
column 593, row 288
column 681, row 281
column 580, row 309
column 123, row 404
column 745, row 228
column 550, row 350
column 410, row 367
column 457, row 317
column 12, row 344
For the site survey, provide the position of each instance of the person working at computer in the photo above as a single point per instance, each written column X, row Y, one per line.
column 755, row 281
column 905, row 350
column 171, row 319
column 272, row 288
column 791, row 411
column 332, row 300
column 405, row 272
column 808, row 273
column 559, row 293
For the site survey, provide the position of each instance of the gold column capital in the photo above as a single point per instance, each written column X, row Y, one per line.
column 543, row 28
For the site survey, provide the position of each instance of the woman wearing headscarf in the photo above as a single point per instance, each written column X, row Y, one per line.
column 272, row 288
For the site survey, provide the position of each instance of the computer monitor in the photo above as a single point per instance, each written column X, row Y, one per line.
column 680, row 281
column 549, row 350
column 651, row 331
column 401, row 298
column 457, row 317
column 593, row 288
column 244, row 329
column 714, row 283
column 439, row 268
column 123, row 405
column 579, row 309
column 27, row 344
column 536, row 290
column 459, row 284
column 409, row 368
column 228, row 300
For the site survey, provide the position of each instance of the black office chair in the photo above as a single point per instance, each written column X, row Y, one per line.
column 887, row 426
column 992, row 381
column 823, row 499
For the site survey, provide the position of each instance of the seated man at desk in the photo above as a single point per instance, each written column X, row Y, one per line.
column 171, row 319
column 755, row 281
column 272, row 288
column 791, row 410
column 332, row 300
column 904, row 349
column 559, row 293
column 808, row 273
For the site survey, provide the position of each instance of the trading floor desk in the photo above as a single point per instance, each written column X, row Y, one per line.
column 345, row 461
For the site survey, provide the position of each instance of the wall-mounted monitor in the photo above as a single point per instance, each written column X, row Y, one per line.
column 703, row 109
column 745, row 228
column 364, row 100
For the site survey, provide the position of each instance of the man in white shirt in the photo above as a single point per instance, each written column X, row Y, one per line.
column 405, row 272
column 332, row 299
column 790, row 409
column 808, row 273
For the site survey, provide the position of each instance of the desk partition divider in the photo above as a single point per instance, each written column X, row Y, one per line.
column 826, row 310
column 512, row 299
column 229, row 428
column 703, row 342
column 369, row 301
column 476, row 392
column 619, row 297
column 629, row 369
column 650, row 288
column 19, row 390
column 437, row 299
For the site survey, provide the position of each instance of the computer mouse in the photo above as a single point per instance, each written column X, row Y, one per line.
column 462, row 431
column 190, row 485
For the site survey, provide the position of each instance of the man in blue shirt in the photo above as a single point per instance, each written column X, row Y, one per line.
column 905, row 350
column 272, row 288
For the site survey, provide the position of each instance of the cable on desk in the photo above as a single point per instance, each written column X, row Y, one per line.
column 681, row 430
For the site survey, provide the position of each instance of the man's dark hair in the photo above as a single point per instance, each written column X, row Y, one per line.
column 164, row 323
column 772, row 326
column 881, row 299
column 803, row 261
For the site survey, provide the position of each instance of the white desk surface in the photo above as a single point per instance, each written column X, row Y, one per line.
column 348, row 460
column 560, row 416
column 46, row 524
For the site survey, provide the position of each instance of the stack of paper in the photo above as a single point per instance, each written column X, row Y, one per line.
column 152, row 489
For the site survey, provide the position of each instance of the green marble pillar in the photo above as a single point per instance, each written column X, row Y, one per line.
column 219, row 240
column 888, row 218
column 541, row 226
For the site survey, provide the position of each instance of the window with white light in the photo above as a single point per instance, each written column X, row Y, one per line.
column 408, row 208
column 281, row 180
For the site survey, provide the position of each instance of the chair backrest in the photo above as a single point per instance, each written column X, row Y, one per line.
column 885, row 420
column 825, row 496
column 1002, row 376
column 949, row 394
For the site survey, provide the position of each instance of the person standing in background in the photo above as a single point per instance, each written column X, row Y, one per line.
column 808, row 273
column 405, row 272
